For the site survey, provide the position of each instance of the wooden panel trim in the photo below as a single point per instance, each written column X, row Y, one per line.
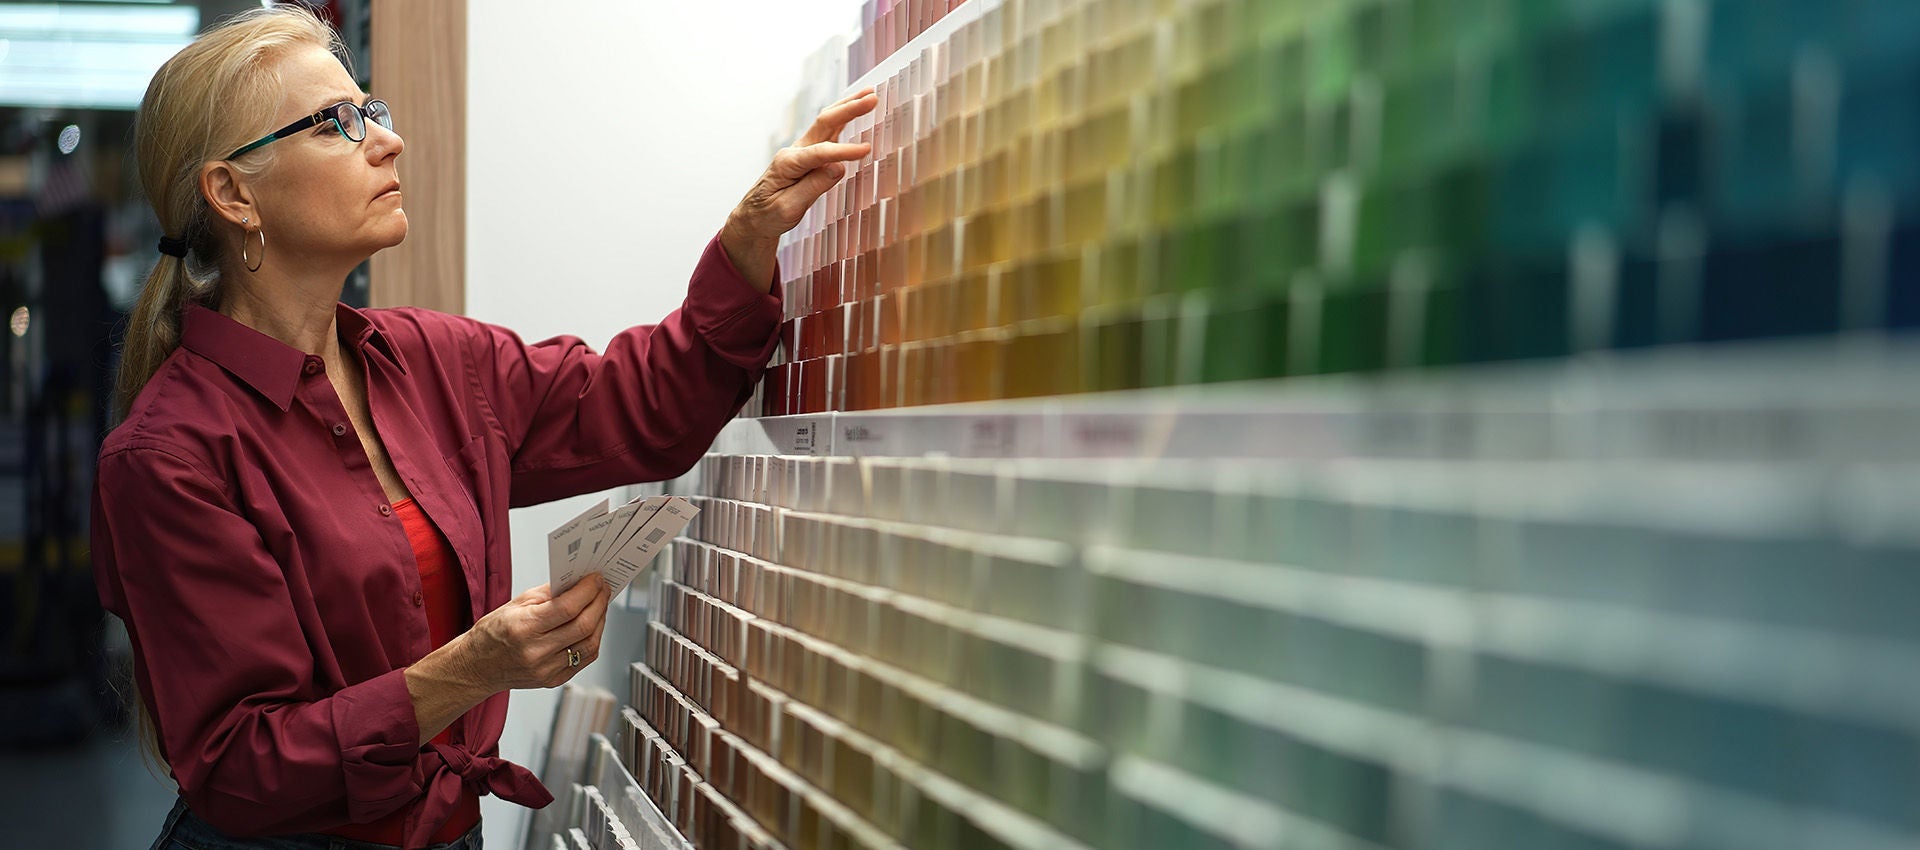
column 419, row 68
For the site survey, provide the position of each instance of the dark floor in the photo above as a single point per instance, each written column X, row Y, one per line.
column 97, row 795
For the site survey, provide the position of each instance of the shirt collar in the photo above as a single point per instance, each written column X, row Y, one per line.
column 271, row 367
column 360, row 331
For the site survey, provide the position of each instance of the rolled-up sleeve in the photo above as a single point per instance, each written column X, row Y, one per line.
column 225, row 664
column 577, row 421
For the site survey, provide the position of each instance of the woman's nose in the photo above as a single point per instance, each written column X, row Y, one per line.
column 383, row 142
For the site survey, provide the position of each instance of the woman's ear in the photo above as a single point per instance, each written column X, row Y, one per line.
column 228, row 192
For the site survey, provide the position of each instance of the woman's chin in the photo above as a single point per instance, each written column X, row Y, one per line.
column 397, row 233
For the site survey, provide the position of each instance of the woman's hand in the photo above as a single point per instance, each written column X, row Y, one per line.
column 522, row 644
column 798, row 176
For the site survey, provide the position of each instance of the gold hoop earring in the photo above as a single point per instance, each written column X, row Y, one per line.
column 253, row 267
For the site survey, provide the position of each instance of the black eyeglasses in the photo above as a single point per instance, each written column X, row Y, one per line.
column 349, row 117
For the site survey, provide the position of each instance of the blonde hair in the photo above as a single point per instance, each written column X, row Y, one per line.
column 219, row 93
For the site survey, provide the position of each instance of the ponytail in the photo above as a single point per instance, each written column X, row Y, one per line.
column 153, row 329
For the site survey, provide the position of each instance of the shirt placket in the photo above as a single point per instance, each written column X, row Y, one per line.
column 368, row 497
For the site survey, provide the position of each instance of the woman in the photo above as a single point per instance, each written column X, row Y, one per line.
column 303, row 517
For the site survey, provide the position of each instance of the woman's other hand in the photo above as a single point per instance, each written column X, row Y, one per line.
column 798, row 176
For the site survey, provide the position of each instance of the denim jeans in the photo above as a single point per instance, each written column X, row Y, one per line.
column 183, row 831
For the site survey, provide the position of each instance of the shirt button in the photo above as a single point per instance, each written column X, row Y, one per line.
column 339, row 430
column 313, row 366
column 419, row 599
column 386, row 510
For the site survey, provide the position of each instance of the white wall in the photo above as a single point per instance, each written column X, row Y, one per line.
column 607, row 140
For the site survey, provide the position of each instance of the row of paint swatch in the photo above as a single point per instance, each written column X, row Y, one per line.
column 888, row 25
column 947, row 528
column 876, row 651
column 1095, row 195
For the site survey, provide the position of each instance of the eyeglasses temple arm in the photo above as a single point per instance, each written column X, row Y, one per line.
column 282, row 133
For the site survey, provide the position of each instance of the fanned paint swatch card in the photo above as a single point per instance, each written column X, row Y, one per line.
column 617, row 544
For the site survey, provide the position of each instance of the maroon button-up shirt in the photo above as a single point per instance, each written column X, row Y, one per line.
column 268, row 588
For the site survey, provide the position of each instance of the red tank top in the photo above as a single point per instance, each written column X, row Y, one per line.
column 445, row 598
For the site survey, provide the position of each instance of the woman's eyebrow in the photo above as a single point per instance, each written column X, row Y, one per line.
column 362, row 99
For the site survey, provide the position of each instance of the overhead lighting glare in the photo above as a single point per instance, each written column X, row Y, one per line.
column 87, row 55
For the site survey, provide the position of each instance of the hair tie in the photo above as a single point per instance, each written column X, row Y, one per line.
column 173, row 247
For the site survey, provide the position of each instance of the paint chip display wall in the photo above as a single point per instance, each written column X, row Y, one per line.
column 1342, row 424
